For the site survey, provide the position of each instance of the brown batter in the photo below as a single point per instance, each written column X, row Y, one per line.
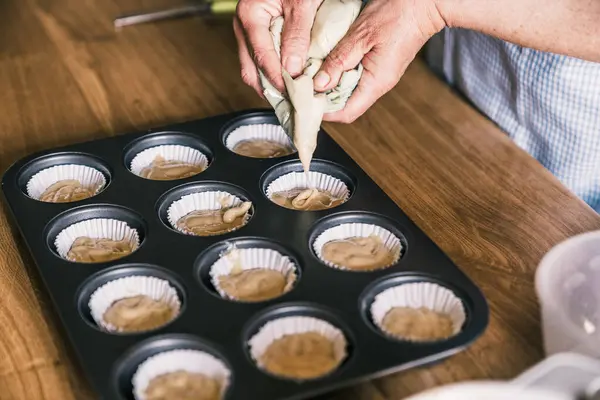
column 66, row 191
column 358, row 253
column 418, row 324
column 167, row 170
column 301, row 356
column 306, row 199
column 214, row 222
column 138, row 313
column 88, row 250
column 183, row 385
column 260, row 148
column 253, row 284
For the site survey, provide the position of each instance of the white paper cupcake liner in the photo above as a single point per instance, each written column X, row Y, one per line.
column 317, row 180
column 346, row 231
column 252, row 258
column 131, row 286
column 203, row 201
column 280, row 327
column 184, row 154
column 98, row 228
column 88, row 177
column 193, row 361
column 270, row 132
column 416, row 295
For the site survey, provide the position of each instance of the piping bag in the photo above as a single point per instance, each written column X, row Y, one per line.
column 300, row 110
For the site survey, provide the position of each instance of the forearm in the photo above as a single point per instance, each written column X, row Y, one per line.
column 570, row 27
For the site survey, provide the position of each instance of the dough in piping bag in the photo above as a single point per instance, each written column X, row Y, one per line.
column 300, row 112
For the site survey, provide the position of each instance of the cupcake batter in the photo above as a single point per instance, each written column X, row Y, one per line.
column 254, row 284
column 89, row 250
column 417, row 324
column 358, row 253
column 300, row 356
column 138, row 313
column 166, row 170
column 214, row 222
column 66, row 191
column 183, row 385
column 260, row 148
column 306, row 199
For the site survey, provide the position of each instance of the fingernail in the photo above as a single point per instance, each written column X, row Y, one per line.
column 294, row 65
column 321, row 79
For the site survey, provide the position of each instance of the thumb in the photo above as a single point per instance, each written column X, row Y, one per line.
column 295, row 38
column 345, row 56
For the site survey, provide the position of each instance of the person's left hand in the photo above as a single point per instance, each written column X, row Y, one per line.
column 385, row 37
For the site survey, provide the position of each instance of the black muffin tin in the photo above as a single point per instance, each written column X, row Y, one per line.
column 206, row 321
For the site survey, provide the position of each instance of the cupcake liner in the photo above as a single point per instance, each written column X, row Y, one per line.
column 193, row 361
column 416, row 295
column 88, row 177
column 253, row 258
column 98, row 228
column 271, row 132
column 131, row 286
column 347, row 231
column 300, row 180
column 214, row 200
column 184, row 154
column 280, row 327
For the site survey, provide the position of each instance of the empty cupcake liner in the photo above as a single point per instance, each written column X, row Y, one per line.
column 317, row 180
column 169, row 152
column 98, row 228
column 193, row 361
column 87, row 176
column 130, row 286
column 270, row 132
column 280, row 327
column 253, row 258
column 351, row 230
column 416, row 295
column 205, row 201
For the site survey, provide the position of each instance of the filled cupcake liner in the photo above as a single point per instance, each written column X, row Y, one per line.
column 270, row 132
column 169, row 152
column 317, row 180
column 98, row 228
column 416, row 295
column 203, row 201
column 346, row 231
column 280, row 327
column 192, row 361
column 131, row 286
column 253, row 258
column 88, row 177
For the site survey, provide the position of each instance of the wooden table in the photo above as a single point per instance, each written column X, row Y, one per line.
column 66, row 76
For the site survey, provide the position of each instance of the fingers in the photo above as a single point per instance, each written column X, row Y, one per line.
column 255, row 21
column 295, row 38
column 248, row 69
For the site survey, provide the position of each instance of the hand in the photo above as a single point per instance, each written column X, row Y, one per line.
column 255, row 45
column 385, row 37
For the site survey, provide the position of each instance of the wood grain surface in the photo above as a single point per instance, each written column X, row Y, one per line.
column 67, row 76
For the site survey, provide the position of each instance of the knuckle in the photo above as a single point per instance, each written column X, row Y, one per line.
column 247, row 77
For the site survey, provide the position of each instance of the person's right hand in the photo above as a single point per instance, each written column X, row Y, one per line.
column 255, row 44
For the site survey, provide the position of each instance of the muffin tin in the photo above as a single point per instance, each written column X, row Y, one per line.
column 207, row 321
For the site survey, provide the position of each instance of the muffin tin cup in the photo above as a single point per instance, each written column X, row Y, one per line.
column 249, row 259
column 131, row 286
column 415, row 295
column 352, row 230
column 88, row 177
column 270, row 132
column 203, row 201
column 297, row 324
column 192, row 361
column 98, row 228
column 184, row 154
column 313, row 179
